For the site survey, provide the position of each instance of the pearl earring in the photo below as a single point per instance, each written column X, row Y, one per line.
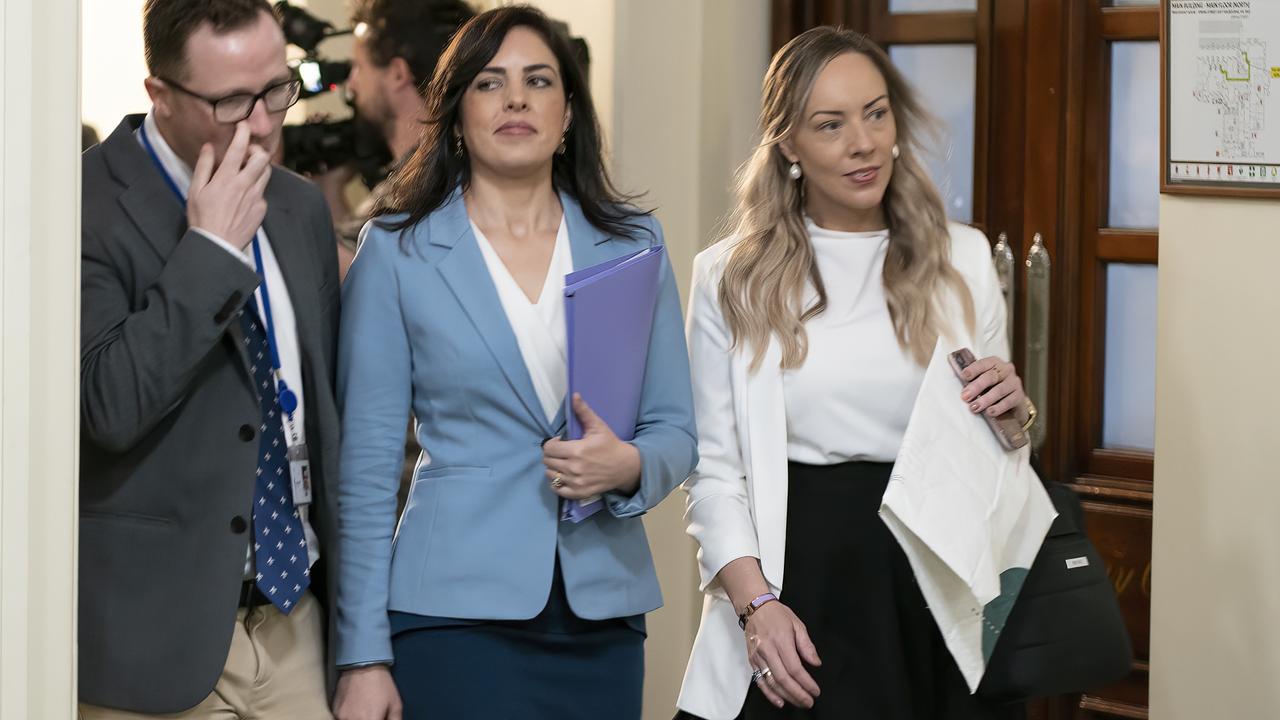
column 896, row 152
column 795, row 172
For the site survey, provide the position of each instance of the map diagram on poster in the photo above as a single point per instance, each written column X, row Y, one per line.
column 1224, row 92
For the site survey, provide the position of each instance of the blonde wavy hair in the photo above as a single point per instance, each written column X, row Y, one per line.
column 762, row 290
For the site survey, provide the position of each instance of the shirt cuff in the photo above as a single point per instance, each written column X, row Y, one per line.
column 226, row 246
column 371, row 663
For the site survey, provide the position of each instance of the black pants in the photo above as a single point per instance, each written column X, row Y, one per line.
column 852, row 586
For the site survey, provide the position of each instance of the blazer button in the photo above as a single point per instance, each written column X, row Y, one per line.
column 238, row 525
column 246, row 433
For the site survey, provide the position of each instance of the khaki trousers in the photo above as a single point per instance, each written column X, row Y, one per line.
column 275, row 670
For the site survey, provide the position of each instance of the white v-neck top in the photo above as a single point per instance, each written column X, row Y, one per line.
column 539, row 327
column 852, row 397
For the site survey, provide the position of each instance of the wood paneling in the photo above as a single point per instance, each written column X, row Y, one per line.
column 792, row 17
column 1130, row 23
column 948, row 27
column 1122, row 534
column 1127, row 246
column 1006, row 150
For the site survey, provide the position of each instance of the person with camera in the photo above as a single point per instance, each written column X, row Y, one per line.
column 396, row 46
column 208, row 420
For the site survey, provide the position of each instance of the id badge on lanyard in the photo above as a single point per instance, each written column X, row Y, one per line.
column 299, row 464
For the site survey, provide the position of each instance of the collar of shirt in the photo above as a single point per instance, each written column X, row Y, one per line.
column 174, row 165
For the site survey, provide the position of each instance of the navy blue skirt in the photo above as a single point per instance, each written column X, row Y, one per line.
column 556, row 666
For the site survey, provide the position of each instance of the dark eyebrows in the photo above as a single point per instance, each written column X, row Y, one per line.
column 527, row 69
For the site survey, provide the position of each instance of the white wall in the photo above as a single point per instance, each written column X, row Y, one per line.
column 1215, row 612
column 112, row 66
column 39, row 355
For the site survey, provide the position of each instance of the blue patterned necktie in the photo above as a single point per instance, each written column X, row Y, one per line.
column 279, row 543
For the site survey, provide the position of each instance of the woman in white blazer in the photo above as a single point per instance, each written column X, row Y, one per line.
column 809, row 331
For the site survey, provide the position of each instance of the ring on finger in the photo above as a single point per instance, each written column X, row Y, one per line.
column 756, row 675
column 996, row 368
column 557, row 482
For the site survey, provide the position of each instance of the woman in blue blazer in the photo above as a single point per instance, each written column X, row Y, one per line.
column 482, row 603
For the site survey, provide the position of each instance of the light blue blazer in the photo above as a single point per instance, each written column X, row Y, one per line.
column 480, row 532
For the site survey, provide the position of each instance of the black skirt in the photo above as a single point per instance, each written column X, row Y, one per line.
column 851, row 585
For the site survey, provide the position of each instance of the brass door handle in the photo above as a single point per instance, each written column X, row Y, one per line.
column 1002, row 256
column 1035, row 374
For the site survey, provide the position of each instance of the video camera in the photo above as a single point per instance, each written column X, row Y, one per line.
column 316, row 147
column 306, row 31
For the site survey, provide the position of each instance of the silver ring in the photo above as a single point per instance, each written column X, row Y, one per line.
column 758, row 675
column 557, row 482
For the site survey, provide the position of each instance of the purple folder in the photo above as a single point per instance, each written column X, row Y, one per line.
column 608, row 313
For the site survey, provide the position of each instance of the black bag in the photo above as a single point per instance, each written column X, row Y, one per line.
column 1065, row 633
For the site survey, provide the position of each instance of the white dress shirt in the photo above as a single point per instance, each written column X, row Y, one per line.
column 282, row 316
column 539, row 327
column 852, row 397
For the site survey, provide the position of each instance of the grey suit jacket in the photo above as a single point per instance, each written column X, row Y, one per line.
column 169, row 419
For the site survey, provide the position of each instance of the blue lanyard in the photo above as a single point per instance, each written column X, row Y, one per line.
column 288, row 401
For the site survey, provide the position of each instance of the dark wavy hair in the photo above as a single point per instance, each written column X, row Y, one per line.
column 433, row 172
column 411, row 29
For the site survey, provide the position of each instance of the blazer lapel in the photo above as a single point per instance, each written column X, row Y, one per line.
column 464, row 271
column 300, row 277
column 148, row 200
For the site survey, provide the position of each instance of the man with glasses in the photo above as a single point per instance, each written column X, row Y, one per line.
column 208, row 422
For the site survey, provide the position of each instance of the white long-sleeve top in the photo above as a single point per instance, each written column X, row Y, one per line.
column 852, row 397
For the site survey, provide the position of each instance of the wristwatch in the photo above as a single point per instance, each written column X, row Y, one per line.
column 754, row 605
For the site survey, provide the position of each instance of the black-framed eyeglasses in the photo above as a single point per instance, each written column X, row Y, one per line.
column 237, row 107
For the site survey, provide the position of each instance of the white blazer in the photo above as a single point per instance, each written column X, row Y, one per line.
column 737, row 496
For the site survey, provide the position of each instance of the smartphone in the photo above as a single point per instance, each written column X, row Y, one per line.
column 1006, row 427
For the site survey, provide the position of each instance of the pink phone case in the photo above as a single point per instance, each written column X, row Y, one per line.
column 1006, row 427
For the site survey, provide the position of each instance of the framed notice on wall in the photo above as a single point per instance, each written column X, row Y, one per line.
column 1221, row 97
